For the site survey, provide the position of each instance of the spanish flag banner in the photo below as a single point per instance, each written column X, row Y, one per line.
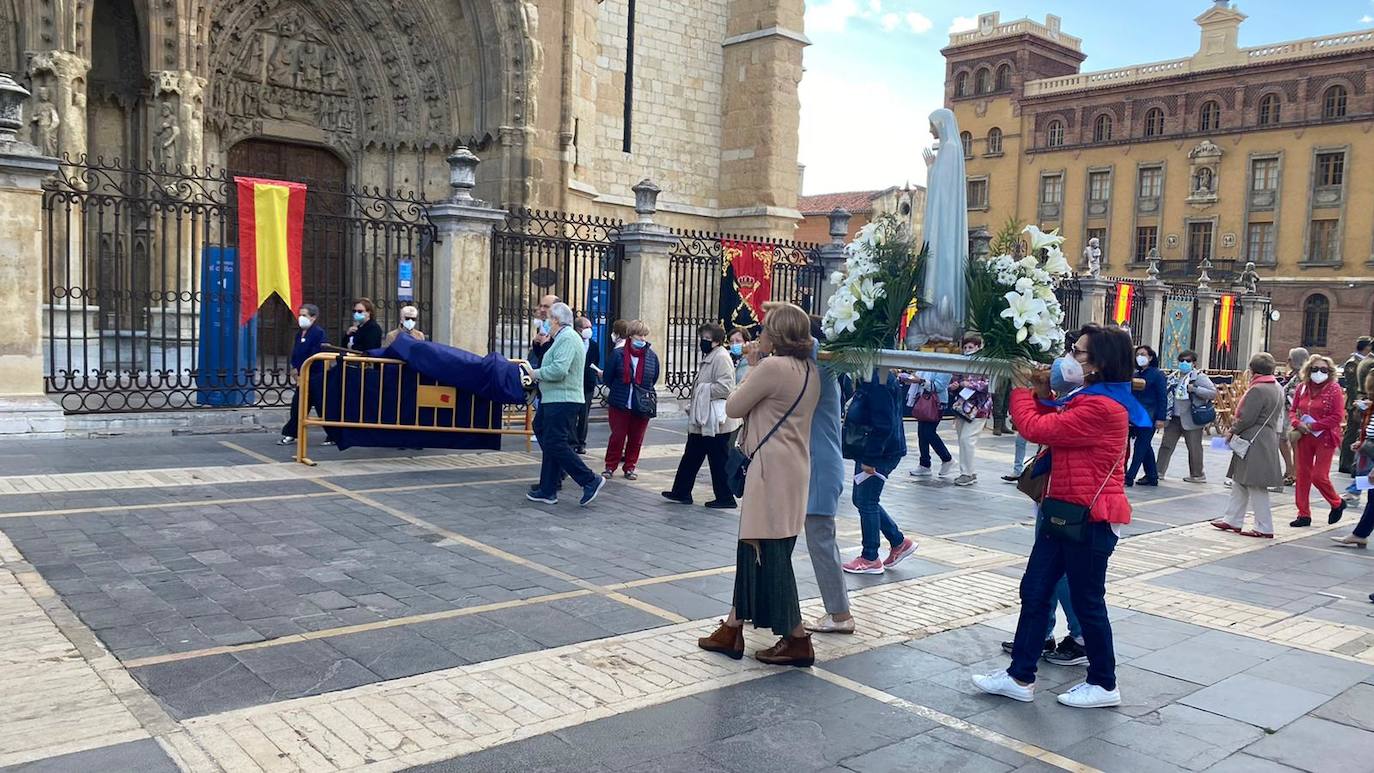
column 271, row 231
column 1225, row 321
column 1122, row 311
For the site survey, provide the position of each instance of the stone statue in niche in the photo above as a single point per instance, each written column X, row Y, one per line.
column 45, row 120
column 168, row 134
column 1204, row 182
column 329, row 72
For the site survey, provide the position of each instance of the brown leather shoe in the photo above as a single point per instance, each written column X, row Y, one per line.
column 726, row 641
column 788, row 651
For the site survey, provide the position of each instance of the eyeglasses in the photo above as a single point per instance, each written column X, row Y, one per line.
column 360, row 311
column 1075, row 351
column 1186, row 360
column 1321, row 370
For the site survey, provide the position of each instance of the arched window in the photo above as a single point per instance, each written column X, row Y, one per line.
column 1209, row 120
column 1316, row 311
column 1154, row 122
column 1269, row 110
column 994, row 140
column 982, row 82
column 967, row 140
column 1102, row 128
column 1004, row 78
column 1054, row 133
column 961, row 85
column 1335, row 104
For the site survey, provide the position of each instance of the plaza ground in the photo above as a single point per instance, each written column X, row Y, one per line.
column 197, row 603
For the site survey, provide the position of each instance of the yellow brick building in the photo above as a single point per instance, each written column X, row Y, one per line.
column 1232, row 155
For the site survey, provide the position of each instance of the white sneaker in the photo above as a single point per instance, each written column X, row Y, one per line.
column 947, row 468
column 966, row 480
column 921, row 472
column 828, row 624
column 1090, row 696
column 1001, row 683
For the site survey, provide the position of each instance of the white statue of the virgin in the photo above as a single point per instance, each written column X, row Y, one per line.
column 944, row 298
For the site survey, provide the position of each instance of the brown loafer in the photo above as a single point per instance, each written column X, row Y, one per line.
column 1253, row 533
column 726, row 640
column 1224, row 526
column 788, row 651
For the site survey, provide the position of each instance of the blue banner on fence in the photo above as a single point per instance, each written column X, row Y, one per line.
column 224, row 365
column 405, row 280
column 599, row 312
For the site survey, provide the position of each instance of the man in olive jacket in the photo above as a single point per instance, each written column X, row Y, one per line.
column 561, row 399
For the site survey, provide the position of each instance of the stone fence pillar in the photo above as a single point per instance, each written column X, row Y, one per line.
column 1151, row 332
column 1093, row 306
column 1250, row 341
column 832, row 256
column 644, row 272
column 462, row 260
column 24, row 408
column 1205, row 340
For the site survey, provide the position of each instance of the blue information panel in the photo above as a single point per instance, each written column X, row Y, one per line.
column 405, row 280
column 227, row 350
column 599, row 312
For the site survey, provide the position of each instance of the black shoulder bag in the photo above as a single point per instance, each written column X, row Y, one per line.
column 737, row 467
column 1067, row 521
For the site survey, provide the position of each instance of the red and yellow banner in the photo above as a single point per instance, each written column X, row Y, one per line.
column 1124, row 295
column 271, row 231
column 1225, row 320
column 752, row 264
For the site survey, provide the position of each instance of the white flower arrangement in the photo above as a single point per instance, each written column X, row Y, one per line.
column 873, row 291
column 858, row 285
column 1025, row 289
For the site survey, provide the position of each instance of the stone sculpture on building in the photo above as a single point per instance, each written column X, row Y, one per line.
column 944, row 296
column 1092, row 257
column 46, row 122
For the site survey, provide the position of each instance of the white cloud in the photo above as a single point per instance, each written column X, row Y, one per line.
column 1367, row 19
column 890, row 22
column 833, row 16
column 919, row 23
column 875, row 6
column 963, row 24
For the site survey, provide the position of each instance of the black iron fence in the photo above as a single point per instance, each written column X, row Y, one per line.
column 1070, row 296
column 701, row 290
column 1135, row 312
column 141, row 265
column 539, row 253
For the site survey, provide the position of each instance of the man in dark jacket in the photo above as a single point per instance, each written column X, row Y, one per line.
column 1352, row 385
column 309, row 341
column 591, row 375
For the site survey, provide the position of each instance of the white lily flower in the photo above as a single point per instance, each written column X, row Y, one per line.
column 844, row 319
column 1023, row 310
column 1025, row 285
column 1056, row 264
column 1040, row 240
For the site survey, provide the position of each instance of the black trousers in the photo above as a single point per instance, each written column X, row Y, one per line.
column 714, row 450
column 289, row 428
column 580, row 435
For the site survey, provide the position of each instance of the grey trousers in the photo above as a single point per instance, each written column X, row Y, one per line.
column 825, row 559
column 1192, row 437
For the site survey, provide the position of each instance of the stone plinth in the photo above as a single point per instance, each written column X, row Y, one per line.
column 462, row 273
column 644, row 287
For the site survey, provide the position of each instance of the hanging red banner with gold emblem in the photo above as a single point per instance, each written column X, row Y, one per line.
column 1225, row 320
column 748, row 270
column 1122, row 311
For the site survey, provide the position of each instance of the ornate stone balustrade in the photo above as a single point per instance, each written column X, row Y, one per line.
column 990, row 29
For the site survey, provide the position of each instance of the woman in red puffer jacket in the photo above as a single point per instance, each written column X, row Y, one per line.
column 1087, row 434
column 1316, row 416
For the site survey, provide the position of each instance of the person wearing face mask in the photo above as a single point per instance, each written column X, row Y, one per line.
column 309, row 340
column 1189, row 388
column 1087, row 433
column 365, row 334
column 560, row 378
column 543, row 338
column 739, row 341
column 1258, row 419
column 708, row 428
column 1316, row 417
column 1154, row 398
column 591, row 376
column 629, row 374
column 410, row 321
column 972, row 406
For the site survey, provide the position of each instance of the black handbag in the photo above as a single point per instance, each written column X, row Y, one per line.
column 737, row 466
column 644, row 401
column 1068, row 521
column 1204, row 414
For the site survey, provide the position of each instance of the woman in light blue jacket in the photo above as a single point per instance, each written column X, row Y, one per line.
column 823, row 501
column 927, row 432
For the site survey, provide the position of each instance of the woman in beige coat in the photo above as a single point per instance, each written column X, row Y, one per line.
column 1258, row 419
column 782, row 391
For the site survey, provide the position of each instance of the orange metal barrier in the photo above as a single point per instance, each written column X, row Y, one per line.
column 431, row 396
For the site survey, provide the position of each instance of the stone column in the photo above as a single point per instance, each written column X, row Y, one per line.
column 644, row 272
column 24, row 409
column 832, row 256
column 1205, row 340
column 462, row 260
column 1250, row 340
column 1152, row 328
column 1094, row 301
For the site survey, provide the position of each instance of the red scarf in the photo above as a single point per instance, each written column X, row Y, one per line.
column 631, row 355
column 1257, row 380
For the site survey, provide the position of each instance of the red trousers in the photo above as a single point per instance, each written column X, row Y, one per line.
column 1313, row 459
column 627, row 437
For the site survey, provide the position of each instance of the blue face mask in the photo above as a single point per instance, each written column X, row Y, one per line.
column 544, row 327
column 359, row 316
column 737, row 349
column 1185, row 367
column 640, row 344
column 1066, row 375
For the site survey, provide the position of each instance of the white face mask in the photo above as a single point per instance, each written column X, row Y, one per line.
column 586, row 334
column 408, row 324
column 304, row 321
column 1319, row 377
column 1142, row 360
column 1070, row 371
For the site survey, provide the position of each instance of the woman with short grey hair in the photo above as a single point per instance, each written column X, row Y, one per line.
column 1254, row 441
column 410, row 327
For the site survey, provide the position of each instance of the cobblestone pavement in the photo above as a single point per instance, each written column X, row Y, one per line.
column 197, row 603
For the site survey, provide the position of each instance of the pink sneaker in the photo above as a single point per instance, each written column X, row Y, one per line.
column 900, row 553
column 861, row 565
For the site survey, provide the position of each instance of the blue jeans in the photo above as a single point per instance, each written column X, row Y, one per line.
column 927, row 438
column 557, row 427
column 1018, row 461
column 1143, row 454
column 1061, row 597
column 1085, row 566
column 873, row 519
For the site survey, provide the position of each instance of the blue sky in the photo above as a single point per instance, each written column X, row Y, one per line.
column 874, row 70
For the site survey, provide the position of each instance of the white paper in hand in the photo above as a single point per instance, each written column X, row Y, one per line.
column 1362, row 483
column 966, row 393
column 863, row 476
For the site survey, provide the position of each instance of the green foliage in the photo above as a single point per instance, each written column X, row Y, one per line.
column 1007, row 239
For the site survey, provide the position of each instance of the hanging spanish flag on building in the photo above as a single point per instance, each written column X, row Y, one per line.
column 271, row 231
column 747, row 284
column 1122, row 311
column 1225, row 321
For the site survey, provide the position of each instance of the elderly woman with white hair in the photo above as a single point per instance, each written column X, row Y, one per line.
column 410, row 326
